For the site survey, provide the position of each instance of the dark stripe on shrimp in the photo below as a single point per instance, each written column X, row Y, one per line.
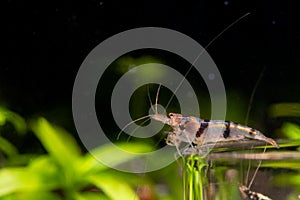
column 226, row 132
column 252, row 131
column 255, row 195
column 203, row 127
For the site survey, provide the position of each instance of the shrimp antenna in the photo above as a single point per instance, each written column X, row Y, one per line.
column 215, row 38
column 253, row 93
column 136, row 120
column 136, row 128
column 156, row 99
column 149, row 98
column 249, row 109
column 248, row 170
column 258, row 166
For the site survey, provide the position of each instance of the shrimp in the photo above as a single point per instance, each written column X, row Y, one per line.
column 201, row 132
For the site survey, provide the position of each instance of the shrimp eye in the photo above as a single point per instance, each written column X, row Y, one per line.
column 169, row 142
column 171, row 114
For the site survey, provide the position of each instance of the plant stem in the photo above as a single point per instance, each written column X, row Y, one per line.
column 194, row 177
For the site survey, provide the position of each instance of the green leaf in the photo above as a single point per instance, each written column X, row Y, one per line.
column 115, row 188
column 50, row 174
column 285, row 110
column 35, row 195
column 21, row 180
column 60, row 144
column 292, row 164
column 110, row 153
column 2, row 118
column 20, row 159
column 17, row 121
column 7, row 148
column 288, row 179
column 10, row 181
column 292, row 131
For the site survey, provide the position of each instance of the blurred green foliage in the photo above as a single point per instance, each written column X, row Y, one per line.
column 285, row 110
column 20, row 126
column 288, row 130
column 127, row 63
column 63, row 173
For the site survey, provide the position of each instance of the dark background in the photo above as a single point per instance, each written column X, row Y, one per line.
column 48, row 40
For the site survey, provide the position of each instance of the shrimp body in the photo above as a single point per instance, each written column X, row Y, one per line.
column 193, row 130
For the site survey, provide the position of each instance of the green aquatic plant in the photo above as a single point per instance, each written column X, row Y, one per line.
column 194, row 176
column 292, row 132
column 9, row 117
column 291, row 181
column 290, row 178
column 289, row 130
column 205, row 179
column 65, row 173
column 285, row 110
